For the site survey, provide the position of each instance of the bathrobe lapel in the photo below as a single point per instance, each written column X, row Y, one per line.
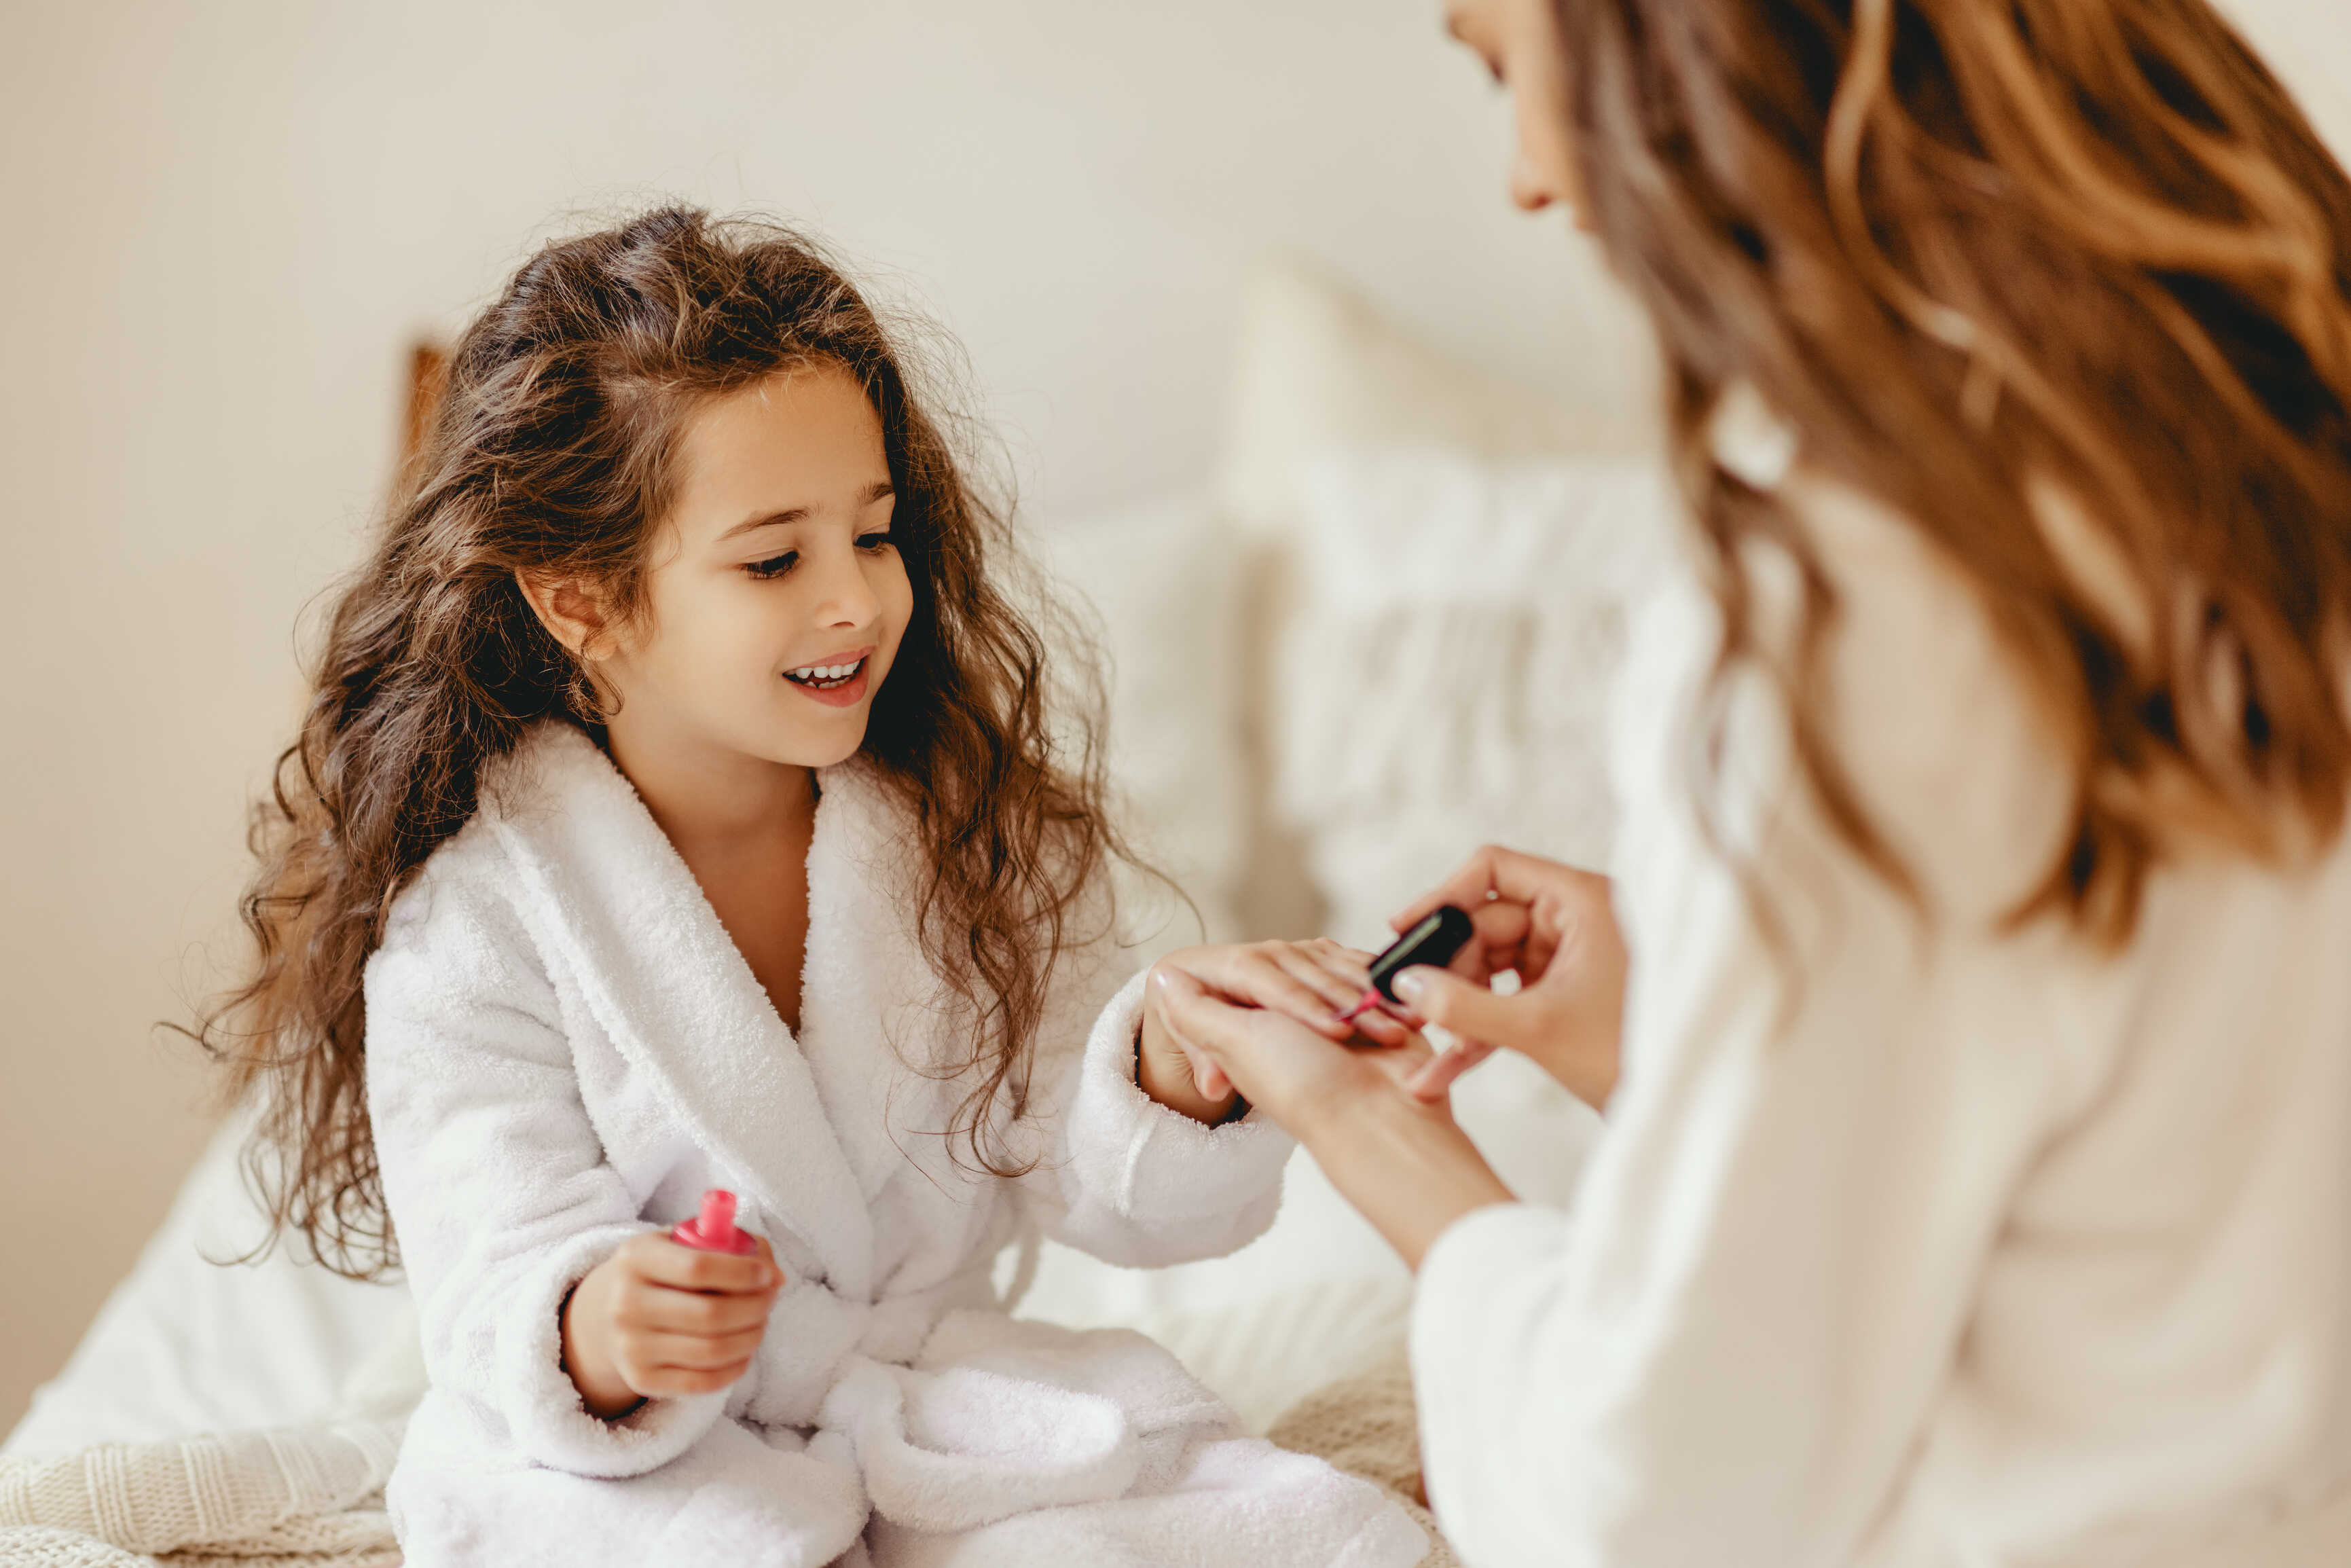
column 676, row 996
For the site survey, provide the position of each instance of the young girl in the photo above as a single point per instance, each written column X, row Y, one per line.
column 676, row 809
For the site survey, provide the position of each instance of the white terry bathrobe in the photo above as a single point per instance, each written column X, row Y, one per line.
column 565, row 1048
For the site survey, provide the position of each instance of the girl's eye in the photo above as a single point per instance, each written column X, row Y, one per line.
column 874, row 541
column 776, row 566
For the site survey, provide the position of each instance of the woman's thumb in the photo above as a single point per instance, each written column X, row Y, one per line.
column 1442, row 998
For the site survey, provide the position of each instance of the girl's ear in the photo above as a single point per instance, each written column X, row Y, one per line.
column 570, row 612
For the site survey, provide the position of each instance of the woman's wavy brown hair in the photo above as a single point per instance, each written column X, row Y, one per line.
column 1968, row 245
column 553, row 451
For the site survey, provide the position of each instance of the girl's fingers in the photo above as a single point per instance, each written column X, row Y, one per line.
column 1248, row 975
column 1328, row 985
column 1208, row 1078
column 694, row 1352
column 1352, row 965
column 676, row 1382
column 1188, row 1011
column 1261, row 978
column 680, row 1267
column 656, row 1308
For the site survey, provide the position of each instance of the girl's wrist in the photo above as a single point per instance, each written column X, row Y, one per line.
column 602, row 1393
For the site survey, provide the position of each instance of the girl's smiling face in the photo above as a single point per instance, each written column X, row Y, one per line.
column 774, row 593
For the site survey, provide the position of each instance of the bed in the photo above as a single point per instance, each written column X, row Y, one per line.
column 1422, row 554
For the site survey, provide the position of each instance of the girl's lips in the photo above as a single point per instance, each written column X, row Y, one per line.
column 848, row 693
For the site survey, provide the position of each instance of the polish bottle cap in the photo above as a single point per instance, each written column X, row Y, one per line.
column 713, row 1229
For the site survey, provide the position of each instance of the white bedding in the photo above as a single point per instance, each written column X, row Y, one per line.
column 184, row 1347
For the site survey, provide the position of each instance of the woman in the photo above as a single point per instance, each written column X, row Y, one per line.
column 1979, row 1185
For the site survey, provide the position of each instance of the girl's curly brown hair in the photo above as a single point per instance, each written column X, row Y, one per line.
column 552, row 452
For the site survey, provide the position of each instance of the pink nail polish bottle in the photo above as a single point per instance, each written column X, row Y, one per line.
column 713, row 1229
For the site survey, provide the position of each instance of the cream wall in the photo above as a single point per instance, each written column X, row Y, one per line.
column 225, row 223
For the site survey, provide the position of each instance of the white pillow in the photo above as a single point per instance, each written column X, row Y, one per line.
column 1158, row 578
column 1445, row 670
column 185, row 1344
column 1444, row 679
column 1319, row 372
column 1320, row 369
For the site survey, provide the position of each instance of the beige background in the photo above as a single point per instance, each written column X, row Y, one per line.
column 224, row 224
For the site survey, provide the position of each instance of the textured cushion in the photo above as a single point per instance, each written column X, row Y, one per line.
column 1463, row 621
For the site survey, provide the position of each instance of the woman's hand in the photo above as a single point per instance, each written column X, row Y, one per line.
column 661, row 1318
column 1554, row 926
column 1400, row 1161
column 1310, row 982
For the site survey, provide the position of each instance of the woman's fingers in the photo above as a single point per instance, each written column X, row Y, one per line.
column 1435, row 1077
column 1496, row 874
column 1526, row 909
column 1492, row 872
column 1467, row 1008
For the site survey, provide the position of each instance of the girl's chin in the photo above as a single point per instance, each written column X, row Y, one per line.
column 801, row 748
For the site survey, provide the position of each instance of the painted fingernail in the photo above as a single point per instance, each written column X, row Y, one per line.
column 1411, row 986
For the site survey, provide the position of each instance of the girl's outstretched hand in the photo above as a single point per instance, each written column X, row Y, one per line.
column 659, row 1318
column 1555, row 927
column 1310, row 982
column 1402, row 1162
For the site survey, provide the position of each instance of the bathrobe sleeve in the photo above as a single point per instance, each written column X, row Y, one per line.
column 1729, row 1351
column 495, row 1178
column 1127, row 1179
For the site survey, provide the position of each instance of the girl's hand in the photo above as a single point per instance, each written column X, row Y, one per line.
column 1310, row 982
column 1400, row 1161
column 1553, row 926
column 661, row 1318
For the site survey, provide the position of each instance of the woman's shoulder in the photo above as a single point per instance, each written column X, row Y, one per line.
column 1934, row 715
column 1933, row 723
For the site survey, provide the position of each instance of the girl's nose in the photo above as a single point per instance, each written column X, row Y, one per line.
column 847, row 598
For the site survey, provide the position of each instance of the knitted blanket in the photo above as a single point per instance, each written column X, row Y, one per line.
column 1367, row 1425
column 312, row 1497
column 291, row 1497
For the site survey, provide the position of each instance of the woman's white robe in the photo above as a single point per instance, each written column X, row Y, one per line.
column 565, row 1048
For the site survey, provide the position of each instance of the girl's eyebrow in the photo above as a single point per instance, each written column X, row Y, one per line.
column 866, row 498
